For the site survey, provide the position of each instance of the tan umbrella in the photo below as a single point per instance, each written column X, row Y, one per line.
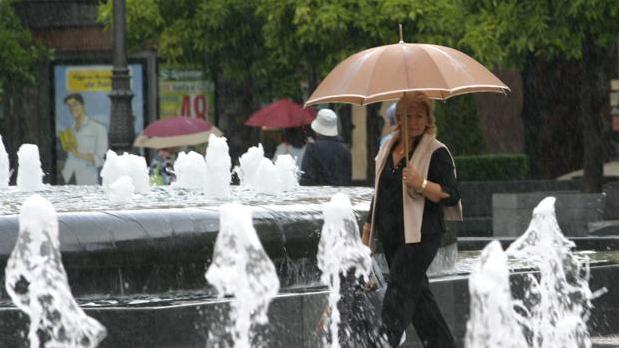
column 387, row 72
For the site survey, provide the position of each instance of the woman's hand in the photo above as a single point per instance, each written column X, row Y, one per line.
column 412, row 178
column 365, row 237
column 415, row 181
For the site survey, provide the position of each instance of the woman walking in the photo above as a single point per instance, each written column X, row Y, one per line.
column 407, row 214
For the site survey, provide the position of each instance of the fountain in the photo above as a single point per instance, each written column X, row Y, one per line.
column 556, row 301
column 241, row 268
column 267, row 178
column 288, row 172
column 558, row 304
column 493, row 321
column 218, row 165
column 37, row 283
column 29, row 174
column 190, row 170
column 5, row 170
column 121, row 191
column 340, row 251
column 128, row 165
column 249, row 163
column 261, row 175
column 138, row 265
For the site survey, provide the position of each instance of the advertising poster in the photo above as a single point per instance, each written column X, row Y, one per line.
column 185, row 92
column 82, row 117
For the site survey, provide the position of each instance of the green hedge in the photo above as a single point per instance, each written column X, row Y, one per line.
column 492, row 167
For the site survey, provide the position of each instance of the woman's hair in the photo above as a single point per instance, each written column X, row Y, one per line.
column 419, row 101
column 295, row 136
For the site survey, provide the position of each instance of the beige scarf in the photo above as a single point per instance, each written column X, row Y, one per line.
column 413, row 202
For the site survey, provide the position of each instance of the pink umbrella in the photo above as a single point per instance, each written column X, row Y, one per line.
column 176, row 131
column 281, row 114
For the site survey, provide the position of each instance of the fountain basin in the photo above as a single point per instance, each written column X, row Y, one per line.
column 183, row 319
column 149, row 257
column 163, row 240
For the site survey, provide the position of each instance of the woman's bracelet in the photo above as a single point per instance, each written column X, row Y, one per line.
column 423, row 186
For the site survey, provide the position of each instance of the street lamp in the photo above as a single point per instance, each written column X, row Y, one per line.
column 121, row 132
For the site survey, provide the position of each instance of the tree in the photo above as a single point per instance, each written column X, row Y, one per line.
column 263, row 49
column 564, row 50
column 19, row 57
column 226, row 38
column 316, row 35
column 18, row 51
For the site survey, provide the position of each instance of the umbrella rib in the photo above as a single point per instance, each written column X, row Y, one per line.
column 405, row 49
column 455, row 62
column 436, row 66
column 373, row 71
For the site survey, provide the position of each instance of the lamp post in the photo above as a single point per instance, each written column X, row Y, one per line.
column 121, row 132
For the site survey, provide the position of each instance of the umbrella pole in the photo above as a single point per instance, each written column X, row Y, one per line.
column 404, row 133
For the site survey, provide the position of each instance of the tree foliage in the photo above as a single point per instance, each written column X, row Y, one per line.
column 292, row 39
column 144, row 19
column 279, row 43
column 506, row 32
column 317, row 34
column 18, row 51
column 268, row 47
column 223, row 35
column 564, row 49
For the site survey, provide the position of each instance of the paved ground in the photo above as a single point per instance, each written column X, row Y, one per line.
column 610, row 169
column 598, row 342
column 605, row 341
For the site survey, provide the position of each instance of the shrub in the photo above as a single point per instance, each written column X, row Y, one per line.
column 492, row 167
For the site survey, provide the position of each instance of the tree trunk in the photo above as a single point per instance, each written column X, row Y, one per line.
column 236, row 102
column 563, row 115
column 373, row 138
column 23, row 126
column 596, row 64
column 344, row 113
column 552, row 123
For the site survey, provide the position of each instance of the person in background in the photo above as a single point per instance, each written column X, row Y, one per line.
column 411, row 201
column 162, row 167
column 391, row 124
column 293, row 143
column 86, row 146
column 327, row 160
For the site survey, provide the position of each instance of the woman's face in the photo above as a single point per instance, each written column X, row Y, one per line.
column 417, row 120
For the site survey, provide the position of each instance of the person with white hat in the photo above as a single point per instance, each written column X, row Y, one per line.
column 327, row 160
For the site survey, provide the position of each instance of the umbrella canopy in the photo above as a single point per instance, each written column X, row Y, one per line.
column 176, row 131
column 387, row 72
column 281, row 114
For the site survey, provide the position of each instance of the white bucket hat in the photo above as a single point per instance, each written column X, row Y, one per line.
column 325, row 123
